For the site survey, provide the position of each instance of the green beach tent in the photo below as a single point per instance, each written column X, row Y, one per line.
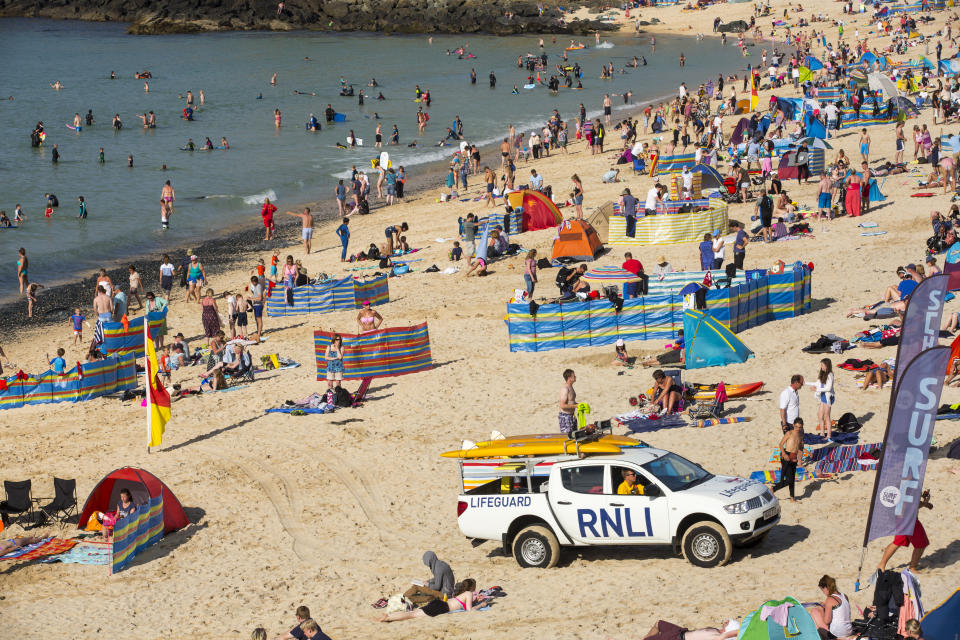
column 709, row 343
column 800, row 625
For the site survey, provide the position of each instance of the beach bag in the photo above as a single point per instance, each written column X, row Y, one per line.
column 848, row 423
column 397, row 603
column 543, row 263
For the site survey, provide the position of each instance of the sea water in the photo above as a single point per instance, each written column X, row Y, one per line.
column 218, row 191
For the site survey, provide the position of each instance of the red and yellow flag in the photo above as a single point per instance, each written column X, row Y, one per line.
column 159, row 398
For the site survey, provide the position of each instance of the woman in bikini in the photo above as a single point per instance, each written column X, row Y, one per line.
column 22, row 264
column 463, row 600
column 368, row 320
column 167, row 195
column 12, row 544
column 668, row 392
column 125, row 508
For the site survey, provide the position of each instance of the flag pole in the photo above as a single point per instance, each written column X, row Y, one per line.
column 146, row 368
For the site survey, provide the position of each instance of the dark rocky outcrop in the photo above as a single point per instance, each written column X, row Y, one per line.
column 500, row 17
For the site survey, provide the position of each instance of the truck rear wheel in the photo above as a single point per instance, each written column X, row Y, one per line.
column 536, row 546
column 706, row 544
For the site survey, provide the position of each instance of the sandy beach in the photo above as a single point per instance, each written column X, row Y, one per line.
column 335, row 511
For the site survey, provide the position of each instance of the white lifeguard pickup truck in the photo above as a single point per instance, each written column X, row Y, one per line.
column 535, row 505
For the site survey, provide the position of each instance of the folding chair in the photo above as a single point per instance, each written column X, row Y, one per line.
column 64, row 504
column 19, row 502
column 361, row 392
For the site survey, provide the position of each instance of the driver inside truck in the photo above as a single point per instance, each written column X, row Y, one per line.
column 631, row 484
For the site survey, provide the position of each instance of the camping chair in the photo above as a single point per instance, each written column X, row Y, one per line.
column 19, row 502
column 361, row 392
column 64, row 504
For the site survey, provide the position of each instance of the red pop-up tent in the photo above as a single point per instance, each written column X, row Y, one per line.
column 143, row 485
column 539, row 211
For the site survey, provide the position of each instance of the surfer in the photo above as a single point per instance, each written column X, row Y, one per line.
column 225, row 144
column 190, row 146
column 207, row 145
column 77, row 122
column 329, row 113
column 351, row 139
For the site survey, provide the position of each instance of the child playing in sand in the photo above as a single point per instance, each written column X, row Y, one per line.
column 620, row 354
column 274, row 261
column 456, row 253
column 259, row 269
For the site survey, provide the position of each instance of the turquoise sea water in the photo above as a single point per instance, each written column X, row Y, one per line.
column 220, row 190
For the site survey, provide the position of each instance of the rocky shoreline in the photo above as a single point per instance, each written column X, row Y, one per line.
column 498, row 17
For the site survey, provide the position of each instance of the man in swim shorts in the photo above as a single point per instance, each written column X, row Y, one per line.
column 568, row 403
column 306, row 231
column 103, row 305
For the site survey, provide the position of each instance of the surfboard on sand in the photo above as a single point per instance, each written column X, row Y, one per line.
column 541, row 445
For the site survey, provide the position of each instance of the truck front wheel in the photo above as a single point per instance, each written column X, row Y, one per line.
column 706, row 544
column 536, row 546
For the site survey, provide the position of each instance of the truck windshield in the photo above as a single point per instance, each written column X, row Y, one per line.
column 676, row 472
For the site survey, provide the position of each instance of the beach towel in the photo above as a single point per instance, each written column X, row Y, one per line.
column 874, row 233
column 773, row 476
column 49, row 547
column 85, row 552
column 301, row 410
column 641, row 424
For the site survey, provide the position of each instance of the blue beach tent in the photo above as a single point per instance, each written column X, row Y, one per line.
column 709, row 343
column 813, row 64
column 943, row 622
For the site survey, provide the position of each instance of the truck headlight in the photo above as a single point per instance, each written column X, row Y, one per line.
column 740, row 507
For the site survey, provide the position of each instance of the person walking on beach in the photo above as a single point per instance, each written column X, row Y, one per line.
column 22, row 264
column 343, row 232
column 739, row 244
column 865, row 145
column 791, row 449
column 210, row 315
column 530, row 271
column 267, row 214
column 196, row 277
column 306, row 231
column 568, row 403
column 918, row 539
column 607, row 107
column 490, row 178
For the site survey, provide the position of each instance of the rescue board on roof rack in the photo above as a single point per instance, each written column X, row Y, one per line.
column 545, row 444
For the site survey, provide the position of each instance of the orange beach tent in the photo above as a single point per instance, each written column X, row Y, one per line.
column 577, row 240
column 539, row 212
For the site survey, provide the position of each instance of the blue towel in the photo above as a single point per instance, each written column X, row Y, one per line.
column 839, row 438
column 645, row 425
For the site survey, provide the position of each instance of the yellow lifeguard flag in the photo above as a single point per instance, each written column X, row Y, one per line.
column 754, row 96
column 158, row 398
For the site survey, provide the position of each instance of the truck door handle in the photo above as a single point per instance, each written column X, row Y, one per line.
column 563, row 502
column 616, row 504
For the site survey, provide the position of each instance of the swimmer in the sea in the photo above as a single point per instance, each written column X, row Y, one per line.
column 57, row 85
column 273, row 79
column 224, row 143
column 77, row 122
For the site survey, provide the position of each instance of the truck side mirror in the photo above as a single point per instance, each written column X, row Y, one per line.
column 652, row 491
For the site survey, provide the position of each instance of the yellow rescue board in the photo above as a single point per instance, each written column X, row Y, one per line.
column 541, row 445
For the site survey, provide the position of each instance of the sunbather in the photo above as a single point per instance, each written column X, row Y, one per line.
column 881, row 374
column 664, row 630
column 12, row 544
column 463, row 600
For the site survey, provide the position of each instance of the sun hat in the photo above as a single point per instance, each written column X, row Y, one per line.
column 620, row 342
column 193, row 257
column 661, row 259
column 366, row 303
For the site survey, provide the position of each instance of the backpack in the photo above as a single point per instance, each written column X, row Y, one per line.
column 543, row 263
column 373, row 253
column 848, row 423
column 562, row 274
column 342, row 397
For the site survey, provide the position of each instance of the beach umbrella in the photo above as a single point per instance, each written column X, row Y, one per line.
column 816, row 143
column 610, row 275
column 880, row 82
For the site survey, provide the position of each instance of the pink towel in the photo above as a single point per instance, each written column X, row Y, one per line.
column 779, row 613
column 721, row 395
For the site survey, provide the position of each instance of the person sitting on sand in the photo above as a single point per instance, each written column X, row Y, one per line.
column 299, row 630
column 440, row 585
column 664, row 630
column 462, row 600
column 903, row 289
column 784, row 208
column 667, row 393
column 881, row 374
column 833, row 615
column 8, row 546
column 125, row 508
column 621, row 359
